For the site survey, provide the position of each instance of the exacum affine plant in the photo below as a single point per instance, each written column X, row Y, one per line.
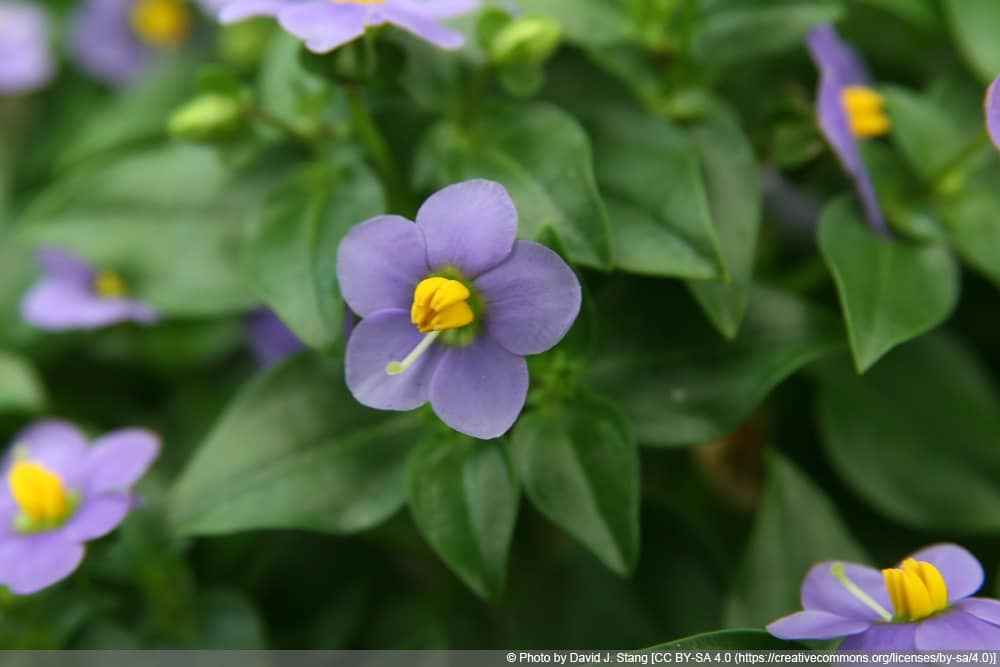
column 450, row 306
column 73, row 294
column 26, row 62
column 59, row 492
column 325, row 25
column 924, row 603
column 848, row 110
column 114, row 40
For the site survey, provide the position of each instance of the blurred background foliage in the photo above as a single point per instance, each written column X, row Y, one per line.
column 698, row 441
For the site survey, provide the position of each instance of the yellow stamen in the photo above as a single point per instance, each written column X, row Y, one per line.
column 161, row 23
column 39, row 492
column 866, row 111
column 109, row 284
column 916, row 589
column 440, row 304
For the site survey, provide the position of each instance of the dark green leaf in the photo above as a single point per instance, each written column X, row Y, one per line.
column 927, row 412
column 924, row 132
column 796, row 527
column 890, row 291
column 291, row 255
column 974, row 26
column 542, row 155
column 464, row 497
column 580, row 467
column 295, row 450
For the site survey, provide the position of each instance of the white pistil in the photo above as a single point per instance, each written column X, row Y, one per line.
column 397, row 367
column 840, row 572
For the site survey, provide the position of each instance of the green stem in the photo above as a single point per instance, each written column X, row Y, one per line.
column 474, row 95
column 378, row 150
column 957, row 166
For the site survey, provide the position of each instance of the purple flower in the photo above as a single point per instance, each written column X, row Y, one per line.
column 74, row 295
column 450, row 306
column 114, row 40
column 991, row 105
column 271, row 341
column 325, row 25
column 923, row 604
column 60, row 493
column 26, row 62
column 848, row 109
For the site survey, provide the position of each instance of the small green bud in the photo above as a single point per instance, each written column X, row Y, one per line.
column 526, row 42
column 207, row 118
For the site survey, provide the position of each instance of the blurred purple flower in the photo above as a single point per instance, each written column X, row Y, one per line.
column 450, row 306
column 929, row 594
column 26, row 62
column 72, row 294
column 991, row 105
column 325, row 25
column 114, row 40
column 60, row 493
column 271, row 341
column 848, row 109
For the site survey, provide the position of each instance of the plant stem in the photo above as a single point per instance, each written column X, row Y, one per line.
column 955, row 167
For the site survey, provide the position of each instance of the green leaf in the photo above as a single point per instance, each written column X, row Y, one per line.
column 754, row 640
column 797, row 525
column 732, row 31
column 678, row 382
column 291, row 255
column 971, row 223
column 974, row 26
column 543, row 157
column 649, row 171
column 228, row 622
column 168, row 219
column 464, row 496
column 928, row 412
column 580, row 467
column 734, row 198
column 925, row 134
column 20, row 387
column 295, row 450
column 890, row 291
column 591, row 23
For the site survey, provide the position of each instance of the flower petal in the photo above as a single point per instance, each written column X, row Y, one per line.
column 240, row 10
column 982, row 608
column 323, row 25
column 270, row 339
column 469, row 225
column 992, row 108
column 816, row 625
column 439, row 9
column 839, row 66
column 821, row 591
column 956, row 631
column 118, row 459
column 385, row 336
column 883, row 637
column 532, row 299
column 423, row 27
column 961, row 571
column 379, row 264
column 56, row 444
column 480, row 389
column 96, row 517
column 54, row 304
column 59, row 263
column 29, row 563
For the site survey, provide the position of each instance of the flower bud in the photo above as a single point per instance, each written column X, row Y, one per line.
column 207, row 118
column 528, row 41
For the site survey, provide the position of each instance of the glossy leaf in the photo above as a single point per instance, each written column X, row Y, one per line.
column 464, row 497
column 295, row 450
column 890, row 291
column 580, row 467
column 927, row 413
column 796, row 526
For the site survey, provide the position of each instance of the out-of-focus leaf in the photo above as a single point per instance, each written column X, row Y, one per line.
column 926, row 135
column 754, row 640
column 678, row 382
column 591, row 23
column 20, row 387
column 228, row 622
column 730, row 31
column 291, row 255
column 543, row 157
column 295, row 450
column 464, row 496
column 890, row 290
column 168, row 219
column 797, row 526
column 580, row 467
column 928, row 411
column 974, row 26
